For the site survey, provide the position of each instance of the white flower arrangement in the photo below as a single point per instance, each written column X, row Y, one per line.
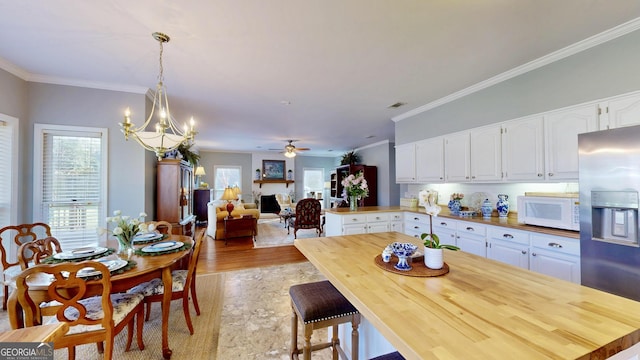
column 126, row 227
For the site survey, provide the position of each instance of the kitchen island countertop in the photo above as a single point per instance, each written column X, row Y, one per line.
column 481, row 309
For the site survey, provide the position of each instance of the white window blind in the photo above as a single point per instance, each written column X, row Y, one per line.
column 72, row 188
column 6, row 183
column 225, row 176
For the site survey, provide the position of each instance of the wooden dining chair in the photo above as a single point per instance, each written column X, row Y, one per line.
column 12, row 237
column 94, row 314
column 31, row 253
column 183, row 283
column 308, row 213
column 163, row 227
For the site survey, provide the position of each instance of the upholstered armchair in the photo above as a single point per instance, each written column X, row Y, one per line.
column 308, row 212
column 284, row 201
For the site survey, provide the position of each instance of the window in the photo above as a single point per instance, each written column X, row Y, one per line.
column 70, row 191
column 313, row 181
column 8, row 170
column 226, row 176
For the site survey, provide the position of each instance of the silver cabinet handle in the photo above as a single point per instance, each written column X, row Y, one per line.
column 524, row 252
column 416, row 227
column 443, row 223
column 540, row 175
column 469, row 228
column 416, row 219
column 555, row 245
column 440, row 177
column 507, row 236
column 377, row 218
column 533, row 254
column 354, row 219
column 550, row 174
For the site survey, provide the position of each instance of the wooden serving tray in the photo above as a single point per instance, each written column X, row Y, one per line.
column 418, row 267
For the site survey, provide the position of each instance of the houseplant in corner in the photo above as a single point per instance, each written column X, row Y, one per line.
column 433, row 249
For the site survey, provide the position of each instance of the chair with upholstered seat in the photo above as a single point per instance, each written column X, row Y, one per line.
column 318, row 305
column 161, row 226
column 308, row 212
column 16, row 235
column 72, row 299
column 31, row 253
column 183, row 283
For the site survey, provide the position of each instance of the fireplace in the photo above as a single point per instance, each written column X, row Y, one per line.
column 269, row 204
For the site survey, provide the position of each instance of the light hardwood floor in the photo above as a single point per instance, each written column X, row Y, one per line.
column 239, row 254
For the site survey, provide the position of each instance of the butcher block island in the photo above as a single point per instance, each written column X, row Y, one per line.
column 481, row 309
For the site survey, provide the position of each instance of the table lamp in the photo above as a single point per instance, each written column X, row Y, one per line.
column 229, row 195
column 237, row 192
column 199, row 172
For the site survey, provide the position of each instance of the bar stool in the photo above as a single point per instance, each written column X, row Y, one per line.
column 319, row 305
column 391, row 356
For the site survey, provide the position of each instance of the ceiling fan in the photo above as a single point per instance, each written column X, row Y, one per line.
column 290, row 150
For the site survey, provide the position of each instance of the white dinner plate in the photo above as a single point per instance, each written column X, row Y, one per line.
column 163, row 246
column 112, row 265
column 80, row 253
column 147, row 236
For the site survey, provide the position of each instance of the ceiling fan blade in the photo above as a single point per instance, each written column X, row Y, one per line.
column 302, row 149
column 275, row 149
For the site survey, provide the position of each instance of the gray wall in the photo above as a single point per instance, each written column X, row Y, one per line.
column 382, row 155
column 131, row 176
column 209, row 159
column 602, row 71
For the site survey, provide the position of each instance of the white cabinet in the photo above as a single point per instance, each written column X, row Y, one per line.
column 523, row 149
column 360, row 223
column 555, row 256
column 430, row 160
column 508, row 246
column 406, row 163
column 472, row 237
column 416, row 224
column 620, row 111
column 561, row 139
column 486, row 153
column 446, row 230
column 457, row 157
column 396, row 222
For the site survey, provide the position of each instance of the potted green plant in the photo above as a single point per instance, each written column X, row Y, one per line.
column 188, row 155
column 433, row 249
column 350, row 158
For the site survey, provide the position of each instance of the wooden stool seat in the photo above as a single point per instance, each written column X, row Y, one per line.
column 391, row 356
column 319, row 305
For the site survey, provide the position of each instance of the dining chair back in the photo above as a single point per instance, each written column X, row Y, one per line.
column 11, row 237
column 308, row 213
column 163, row 227
column 31, row 253
column 183, row 284
column 94, row 314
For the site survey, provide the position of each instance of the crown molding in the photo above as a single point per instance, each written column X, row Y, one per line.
column 13, row 69
column 573, row 49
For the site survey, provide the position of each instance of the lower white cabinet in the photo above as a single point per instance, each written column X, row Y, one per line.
column 446, row 230
column 508, row 246
column 472, row 237
column 416, row 224
column 396, row 222
column 556, row 256
column 358, row 223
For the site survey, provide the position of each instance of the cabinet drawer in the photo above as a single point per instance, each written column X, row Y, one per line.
column 395, row 216
column 465, row 227
column 354, row 219
column 563, row 245
column 377, row 217
column 416, row 227
column 445, row 223
column 510, row 235
column 410, row 216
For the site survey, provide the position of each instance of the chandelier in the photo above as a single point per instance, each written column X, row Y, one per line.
column 167, row 135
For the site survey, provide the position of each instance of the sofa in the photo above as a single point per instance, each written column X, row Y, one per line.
column 217, row 211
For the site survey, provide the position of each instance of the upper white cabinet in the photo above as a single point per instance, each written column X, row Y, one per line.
column 457, row 157
column 406, row 163
column 523, row 149
column 430, row 160
column 620, row 111
column 561, row 139
column 486, row 153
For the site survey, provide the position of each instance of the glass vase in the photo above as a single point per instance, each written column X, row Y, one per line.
column 125, row 248
column 353, row 203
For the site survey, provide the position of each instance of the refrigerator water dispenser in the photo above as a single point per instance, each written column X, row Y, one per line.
column 615, row 217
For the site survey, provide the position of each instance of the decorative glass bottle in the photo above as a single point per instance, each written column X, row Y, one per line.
column 353, row 203
column 503, row 205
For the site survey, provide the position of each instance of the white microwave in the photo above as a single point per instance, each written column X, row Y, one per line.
column 560, row 211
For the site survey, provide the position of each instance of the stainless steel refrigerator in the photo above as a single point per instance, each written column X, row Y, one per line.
column 609, row 175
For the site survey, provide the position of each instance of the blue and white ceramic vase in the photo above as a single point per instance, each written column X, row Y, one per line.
column 454, row 207
column 503, row 205
column 486, row 208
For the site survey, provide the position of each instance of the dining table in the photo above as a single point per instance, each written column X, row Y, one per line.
column 147, row 267
column 41, row 333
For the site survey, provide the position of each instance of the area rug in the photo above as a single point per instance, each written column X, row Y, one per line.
column 273, row 232
column 201, row 345
column 255, row 320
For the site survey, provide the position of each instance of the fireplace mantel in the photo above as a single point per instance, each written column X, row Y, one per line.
column 260, row 182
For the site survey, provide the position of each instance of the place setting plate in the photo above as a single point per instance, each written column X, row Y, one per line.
column 112, row 265
column 80, row 253
column 162, row 246
column 147, row 237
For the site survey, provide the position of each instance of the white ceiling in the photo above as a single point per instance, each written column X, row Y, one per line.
column 339, row 63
